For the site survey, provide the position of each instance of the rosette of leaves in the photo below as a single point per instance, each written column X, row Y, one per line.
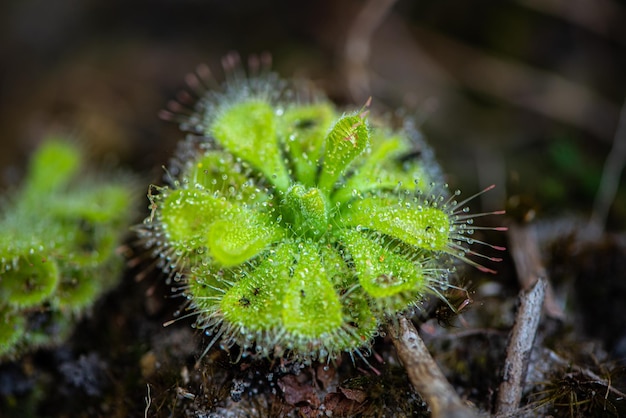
column 58, row 236
column 294, row 229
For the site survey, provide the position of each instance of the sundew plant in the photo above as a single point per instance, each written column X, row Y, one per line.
column 293, row 228
column 58, row 236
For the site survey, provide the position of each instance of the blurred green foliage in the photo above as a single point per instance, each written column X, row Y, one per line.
column 58, row 235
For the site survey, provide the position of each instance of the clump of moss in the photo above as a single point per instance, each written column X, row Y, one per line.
column 573, row 391
column 58, row 236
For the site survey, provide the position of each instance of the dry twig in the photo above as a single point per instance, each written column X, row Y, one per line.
column 519, row 348
column 525, row 252
column 426, row 377
column 610, row 177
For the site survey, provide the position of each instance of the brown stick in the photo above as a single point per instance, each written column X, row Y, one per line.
column 529, row 266
column 611, row 173
column 426, row 377
column 519, row 349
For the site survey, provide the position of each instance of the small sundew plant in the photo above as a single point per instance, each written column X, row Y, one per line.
column 58, row 236
column 294, row 229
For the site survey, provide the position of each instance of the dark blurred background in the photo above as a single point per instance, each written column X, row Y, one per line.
column 525, row 94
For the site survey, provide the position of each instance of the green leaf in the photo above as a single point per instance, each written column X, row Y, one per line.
column 194, row 219
column 29, row 281
column 419, row 225
column 52, row 166
column 240, row 236
column 187, row 215
column 381, row 168
column 218, row 171
column 255, row 302
column 302, row 129
column 311, row 306
column 91, row 221
column 347, row 139
column 360, row 324
column 94, row 203
column 79, row 286
column 382, row 271
column 248, row 130
column 306, row 211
